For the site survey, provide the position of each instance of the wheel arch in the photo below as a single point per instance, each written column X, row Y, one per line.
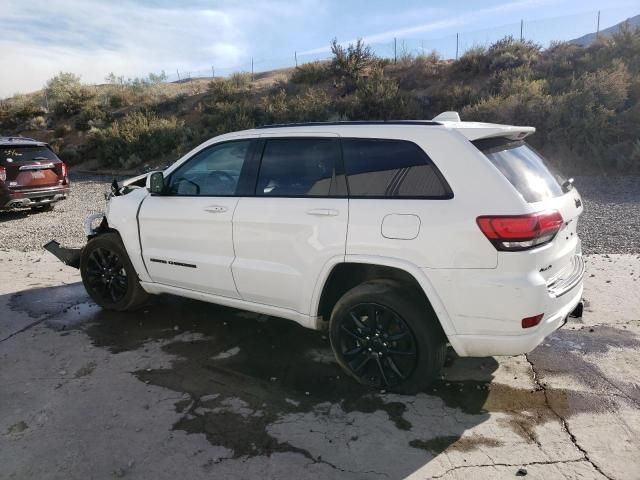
column 355, row 269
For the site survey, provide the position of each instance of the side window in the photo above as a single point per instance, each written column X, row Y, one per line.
column 391, row 168
column 298, row 167
column 214, row 171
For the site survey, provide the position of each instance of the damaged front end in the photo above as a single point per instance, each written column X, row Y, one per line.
column 96, row 223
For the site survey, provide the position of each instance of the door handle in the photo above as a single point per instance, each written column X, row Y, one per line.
column 215, row 209
column 323, row 212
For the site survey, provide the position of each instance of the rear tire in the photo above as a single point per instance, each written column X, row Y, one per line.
column 108, row 275
column 402, row 350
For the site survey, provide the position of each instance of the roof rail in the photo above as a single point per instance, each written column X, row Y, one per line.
column 351, row 122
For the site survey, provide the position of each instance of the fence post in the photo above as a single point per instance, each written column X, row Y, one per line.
column 395, row 49
column 456, row 45
column 521, row 25
column 598, row 26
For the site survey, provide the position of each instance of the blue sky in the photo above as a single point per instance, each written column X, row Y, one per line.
column 131, row 38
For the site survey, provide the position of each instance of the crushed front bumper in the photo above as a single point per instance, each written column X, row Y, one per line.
column 68, row 256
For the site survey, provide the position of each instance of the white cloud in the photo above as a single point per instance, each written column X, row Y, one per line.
column 92, row 38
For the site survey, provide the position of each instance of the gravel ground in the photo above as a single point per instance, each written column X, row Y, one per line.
column 26, row 231
column 610, row 223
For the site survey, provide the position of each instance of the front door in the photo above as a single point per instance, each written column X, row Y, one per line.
column 294, row 225
column 186, row 233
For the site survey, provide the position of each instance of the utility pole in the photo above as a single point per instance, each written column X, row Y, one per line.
column 521, row 25
column 395, row 50
column 295, row 55
column 252, row 69
column 422, row 46
column 456, row 45
column 213, row 72
column 598, row 26
column 178, row 74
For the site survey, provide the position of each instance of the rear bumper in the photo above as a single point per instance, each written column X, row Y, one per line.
column 486, row 307
column 10, row 199
column 495, row 345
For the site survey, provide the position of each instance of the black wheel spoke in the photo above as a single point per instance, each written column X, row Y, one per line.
column 401, row 353
column 358, row 322
column 383, row 377
column 399, row 336
column 352, row 334
column 354, row 351
column 394, row 367
column 361, row 365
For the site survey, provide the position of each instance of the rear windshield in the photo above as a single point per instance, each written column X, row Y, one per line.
column 10, row 154
column 523, row 167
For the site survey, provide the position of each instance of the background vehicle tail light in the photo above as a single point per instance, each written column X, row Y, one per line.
column 520, row 232
column 529, row 322
column 3, row 174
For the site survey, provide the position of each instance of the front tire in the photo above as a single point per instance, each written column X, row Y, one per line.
column 384, row 335
column 108, row 275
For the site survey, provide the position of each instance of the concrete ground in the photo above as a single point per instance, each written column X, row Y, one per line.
column 184, row 389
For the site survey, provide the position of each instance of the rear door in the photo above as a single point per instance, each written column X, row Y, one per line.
column 186, row 234
column 543, row 189
column 294, row 225
column 30, row 167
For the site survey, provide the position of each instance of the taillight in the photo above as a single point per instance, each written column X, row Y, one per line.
column 64, row 171
column 520, row 232
column 3, row 174
column 529, row 322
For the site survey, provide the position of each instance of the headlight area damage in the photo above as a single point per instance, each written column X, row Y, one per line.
column 95, row 223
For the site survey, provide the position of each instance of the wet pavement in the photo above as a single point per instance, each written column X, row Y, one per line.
column 184, row 388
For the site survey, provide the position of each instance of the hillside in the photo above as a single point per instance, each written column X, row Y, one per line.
column 584, row 102
column 589, row 38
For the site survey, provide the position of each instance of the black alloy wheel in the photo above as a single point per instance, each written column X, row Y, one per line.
column 106, row 275
column 377, row 345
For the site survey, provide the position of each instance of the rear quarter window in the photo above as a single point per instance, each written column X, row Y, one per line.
column 523, row 167
column 391, row 169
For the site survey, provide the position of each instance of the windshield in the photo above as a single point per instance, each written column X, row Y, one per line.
column 523, row 167
column 11, row 154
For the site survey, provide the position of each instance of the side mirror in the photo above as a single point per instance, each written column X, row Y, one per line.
column 155, row 183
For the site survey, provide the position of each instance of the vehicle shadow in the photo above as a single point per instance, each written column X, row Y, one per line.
column 261, row 385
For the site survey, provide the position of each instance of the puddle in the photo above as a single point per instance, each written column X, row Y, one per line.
column 242, row 373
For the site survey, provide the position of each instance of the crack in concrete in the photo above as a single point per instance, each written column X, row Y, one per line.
column 555, row 462
column 563, row 422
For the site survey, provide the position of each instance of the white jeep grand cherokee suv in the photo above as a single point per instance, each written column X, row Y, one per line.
column 400, row 237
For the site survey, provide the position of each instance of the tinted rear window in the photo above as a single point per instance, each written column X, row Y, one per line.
column 523, row 167
column 298, row 167
column 25, row 154
column 391, row 168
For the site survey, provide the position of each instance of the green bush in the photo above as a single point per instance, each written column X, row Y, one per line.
column 511, row 53
column 136, row 138
column 351, row 62
column 311, row 73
